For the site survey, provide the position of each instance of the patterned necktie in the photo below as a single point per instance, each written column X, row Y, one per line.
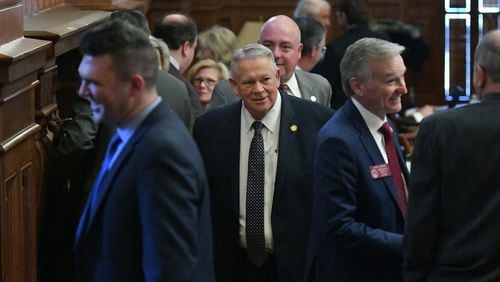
column 395, row 168
column 110, row 152
column 256, row 245
column 284, row 87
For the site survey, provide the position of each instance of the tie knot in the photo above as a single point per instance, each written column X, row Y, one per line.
column 257, row 125
column 284, row 87
column 386, row 129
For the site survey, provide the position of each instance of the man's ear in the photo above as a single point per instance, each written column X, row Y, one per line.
column 234, row 85
column 357, row 86
column 137, row 84
column 481, row 77
column 185, row 48
column 300, row 50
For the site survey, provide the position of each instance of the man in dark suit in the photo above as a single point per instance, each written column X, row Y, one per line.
column 452, row 232
column 282, row 35
column 147, row 216
column 180, row 33
column 352, row 17
column 360, row 176
column 175, row 93
column 224, row 137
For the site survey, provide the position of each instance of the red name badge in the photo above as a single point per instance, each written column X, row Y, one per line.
column 379, row 171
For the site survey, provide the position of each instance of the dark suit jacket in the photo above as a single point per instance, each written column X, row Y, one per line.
column 196, row 107
column 312, row 86
column 152, row 222
column 329, row 67
column 175, row 94
column 217, row 134
column 453, row 230
column 357, row 226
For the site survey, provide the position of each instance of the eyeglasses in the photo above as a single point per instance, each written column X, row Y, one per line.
column 208, row 82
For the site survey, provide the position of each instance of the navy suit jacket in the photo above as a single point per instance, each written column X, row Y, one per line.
column 152, row 222
column 218, row 135
column 357, row 226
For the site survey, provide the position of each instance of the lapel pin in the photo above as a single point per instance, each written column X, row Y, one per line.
column 313, row 98
column 293, row 128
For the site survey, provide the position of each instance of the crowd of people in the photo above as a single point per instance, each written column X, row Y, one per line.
column 277, row 161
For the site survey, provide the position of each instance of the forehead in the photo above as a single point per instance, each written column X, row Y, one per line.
column 207, row 71
column 254, row 67
column 91, row 64
column 388, row 67
column 276, row 33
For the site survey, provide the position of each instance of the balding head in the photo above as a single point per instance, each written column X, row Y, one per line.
column 487, row 64
column 282, row 35
column 320, row 10
column 179, row 32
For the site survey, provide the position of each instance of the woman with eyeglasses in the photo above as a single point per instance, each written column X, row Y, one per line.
column 203, row 76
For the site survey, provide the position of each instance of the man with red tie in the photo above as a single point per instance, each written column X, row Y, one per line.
column 359, row 173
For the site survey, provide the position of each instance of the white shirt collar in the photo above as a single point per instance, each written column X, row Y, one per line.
column 372, row 121
column 175, row 63
column 270, row 120
column 293, row 85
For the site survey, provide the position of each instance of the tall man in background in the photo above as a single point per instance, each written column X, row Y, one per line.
column 352, row 17
column 180, row 33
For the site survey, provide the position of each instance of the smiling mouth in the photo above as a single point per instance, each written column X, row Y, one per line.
column 259, row 99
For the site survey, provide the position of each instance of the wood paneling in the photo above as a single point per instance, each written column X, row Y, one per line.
column 426, row 83
column 33, row 6
column 11, row 25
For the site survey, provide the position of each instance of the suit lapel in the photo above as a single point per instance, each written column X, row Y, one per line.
column 287, row 142
column 370, row 146
column 305, row 85
column 232, row 149
column 87, row 216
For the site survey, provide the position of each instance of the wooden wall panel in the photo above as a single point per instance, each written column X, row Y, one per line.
column 426, row 84
column 33, row 6
column 11, row 24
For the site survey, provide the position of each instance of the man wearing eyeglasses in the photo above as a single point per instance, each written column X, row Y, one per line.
column 312, row 37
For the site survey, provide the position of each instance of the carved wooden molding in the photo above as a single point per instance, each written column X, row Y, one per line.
column 63, row 25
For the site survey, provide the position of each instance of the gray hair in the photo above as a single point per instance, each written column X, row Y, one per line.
column 487, row 54
column 250, row 52
column 309, row 8
column 358, row 56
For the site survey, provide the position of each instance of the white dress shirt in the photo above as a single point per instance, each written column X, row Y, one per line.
column 374, row 123
column 293, row 86
column 270, row 134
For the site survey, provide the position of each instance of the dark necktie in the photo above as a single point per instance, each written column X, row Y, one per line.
column 256, row 244
column 395, row 168
column 110, row 152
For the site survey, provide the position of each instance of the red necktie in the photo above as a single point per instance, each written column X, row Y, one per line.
column 395, row 168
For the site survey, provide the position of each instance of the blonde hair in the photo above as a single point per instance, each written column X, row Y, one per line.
column 220, row 41
column 162, row 51
column 208, row 63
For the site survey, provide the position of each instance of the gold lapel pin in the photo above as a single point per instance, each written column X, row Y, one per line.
column 293, row 128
